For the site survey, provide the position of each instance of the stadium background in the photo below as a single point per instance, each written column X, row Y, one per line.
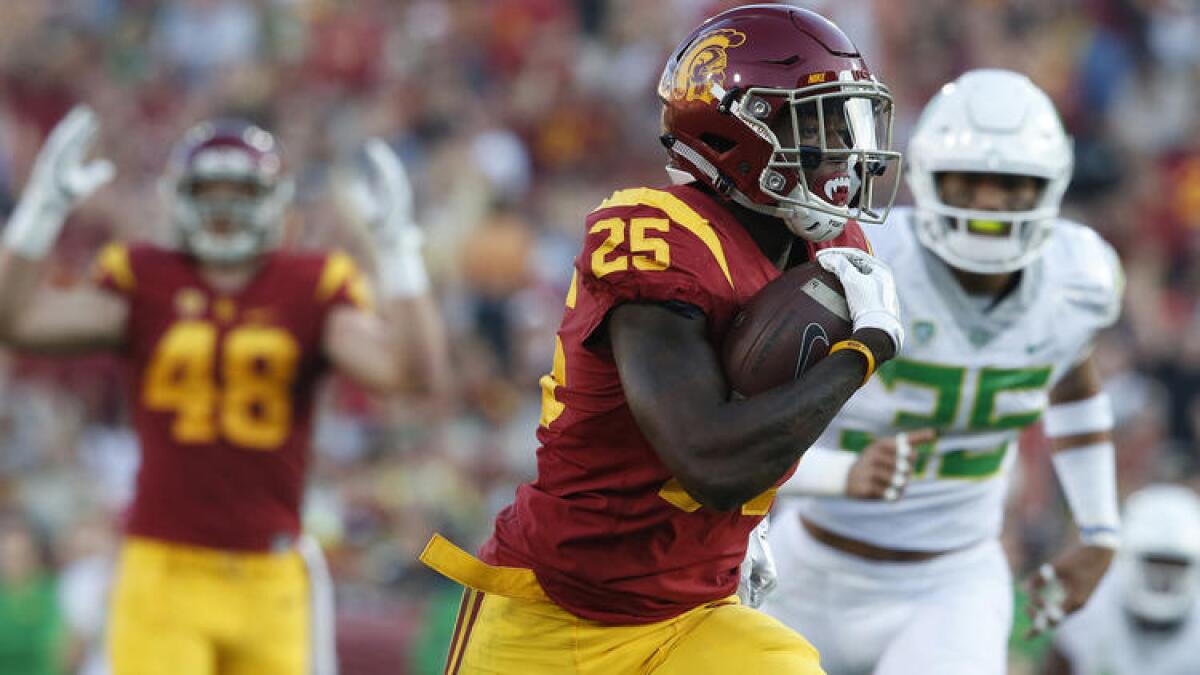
column 516, row 117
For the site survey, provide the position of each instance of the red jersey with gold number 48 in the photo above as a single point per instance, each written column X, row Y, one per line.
column 611, row 536
column 222, row 391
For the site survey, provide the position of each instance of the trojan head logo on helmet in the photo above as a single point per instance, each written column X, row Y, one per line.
column 988, row 122
column 226, row 191
column 773, row 107
column 704, row 64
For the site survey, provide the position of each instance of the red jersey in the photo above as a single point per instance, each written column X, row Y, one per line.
column 611, row 536
column 222, row 391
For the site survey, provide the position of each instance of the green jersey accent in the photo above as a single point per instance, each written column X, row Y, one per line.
column 978, row 373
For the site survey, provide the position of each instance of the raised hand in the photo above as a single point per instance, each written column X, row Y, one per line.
column 60, row 167
column 394, row 227
column 391, row 188
column 61, row 177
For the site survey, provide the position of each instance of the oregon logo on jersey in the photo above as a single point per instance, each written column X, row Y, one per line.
column 702, row 65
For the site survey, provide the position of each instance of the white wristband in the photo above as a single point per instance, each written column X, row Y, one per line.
column 1085, row 416
column 34, row 226
column 1088, row 476
column 822, row 472
column 401, row 267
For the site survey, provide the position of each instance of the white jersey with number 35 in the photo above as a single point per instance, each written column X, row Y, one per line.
column 977, row 372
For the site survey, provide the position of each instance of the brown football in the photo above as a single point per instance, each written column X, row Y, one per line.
column 785, row 329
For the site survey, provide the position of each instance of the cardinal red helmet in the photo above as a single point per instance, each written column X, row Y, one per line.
column 773, row 107
column 242, row 217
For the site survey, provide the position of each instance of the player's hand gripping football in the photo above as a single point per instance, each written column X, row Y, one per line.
column 884, row 467
column 870, row 292
column 758, row 568
column 394, row 228
column 60, row 179
column 1064, row 585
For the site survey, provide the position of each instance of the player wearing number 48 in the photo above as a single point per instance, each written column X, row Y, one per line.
column 889, row 561
column 225, row 335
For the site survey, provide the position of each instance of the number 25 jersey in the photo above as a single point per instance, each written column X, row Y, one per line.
column 609, row 533
column 222, row 390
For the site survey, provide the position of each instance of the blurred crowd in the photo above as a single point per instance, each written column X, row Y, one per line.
column 515, row 118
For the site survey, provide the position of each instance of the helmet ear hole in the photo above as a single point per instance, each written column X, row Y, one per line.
column 717, row 142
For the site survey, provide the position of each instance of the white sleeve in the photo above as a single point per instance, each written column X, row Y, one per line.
column 1093, row 281
column 822, row 472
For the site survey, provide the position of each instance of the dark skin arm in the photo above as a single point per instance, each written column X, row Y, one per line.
column 723, row 452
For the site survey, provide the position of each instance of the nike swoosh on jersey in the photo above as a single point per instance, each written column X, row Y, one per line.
column 1035, row 347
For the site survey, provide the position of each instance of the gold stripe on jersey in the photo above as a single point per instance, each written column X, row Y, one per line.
column 340, row 270
column 672, row 491
column 573, row 291
column 679, row 212
column 113, row 262
column 552, row 408
column 760, row 505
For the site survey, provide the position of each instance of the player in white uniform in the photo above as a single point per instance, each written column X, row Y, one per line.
column 1001, row 300
column 1143, row 619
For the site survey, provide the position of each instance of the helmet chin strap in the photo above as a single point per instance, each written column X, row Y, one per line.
column 803, row 222
column 703, row 165
column 679, row 176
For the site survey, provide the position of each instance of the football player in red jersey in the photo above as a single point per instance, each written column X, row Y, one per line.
column 623, row 555
column 225, row 335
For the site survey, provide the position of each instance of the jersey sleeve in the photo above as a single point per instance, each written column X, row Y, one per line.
column 1093, row 280
column 112, row 269
column 645, row 245
column 341, row 282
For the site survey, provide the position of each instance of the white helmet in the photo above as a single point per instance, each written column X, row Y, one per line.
column 1159, row 562
column 995, row 122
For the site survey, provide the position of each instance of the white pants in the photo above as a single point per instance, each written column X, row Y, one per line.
column 950, row 615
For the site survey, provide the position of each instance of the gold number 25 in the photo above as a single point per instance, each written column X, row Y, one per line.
column 648, row 253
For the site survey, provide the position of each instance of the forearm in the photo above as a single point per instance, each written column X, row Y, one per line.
column 1088, row 477
column 724, row 452
column 60, row 178
column 824, row 472
column 19, row 279
column 770, row 432
column 741, row 448
column 418, row 340
column 1079, row 425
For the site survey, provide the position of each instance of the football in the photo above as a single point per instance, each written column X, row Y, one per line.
column 785, row 329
